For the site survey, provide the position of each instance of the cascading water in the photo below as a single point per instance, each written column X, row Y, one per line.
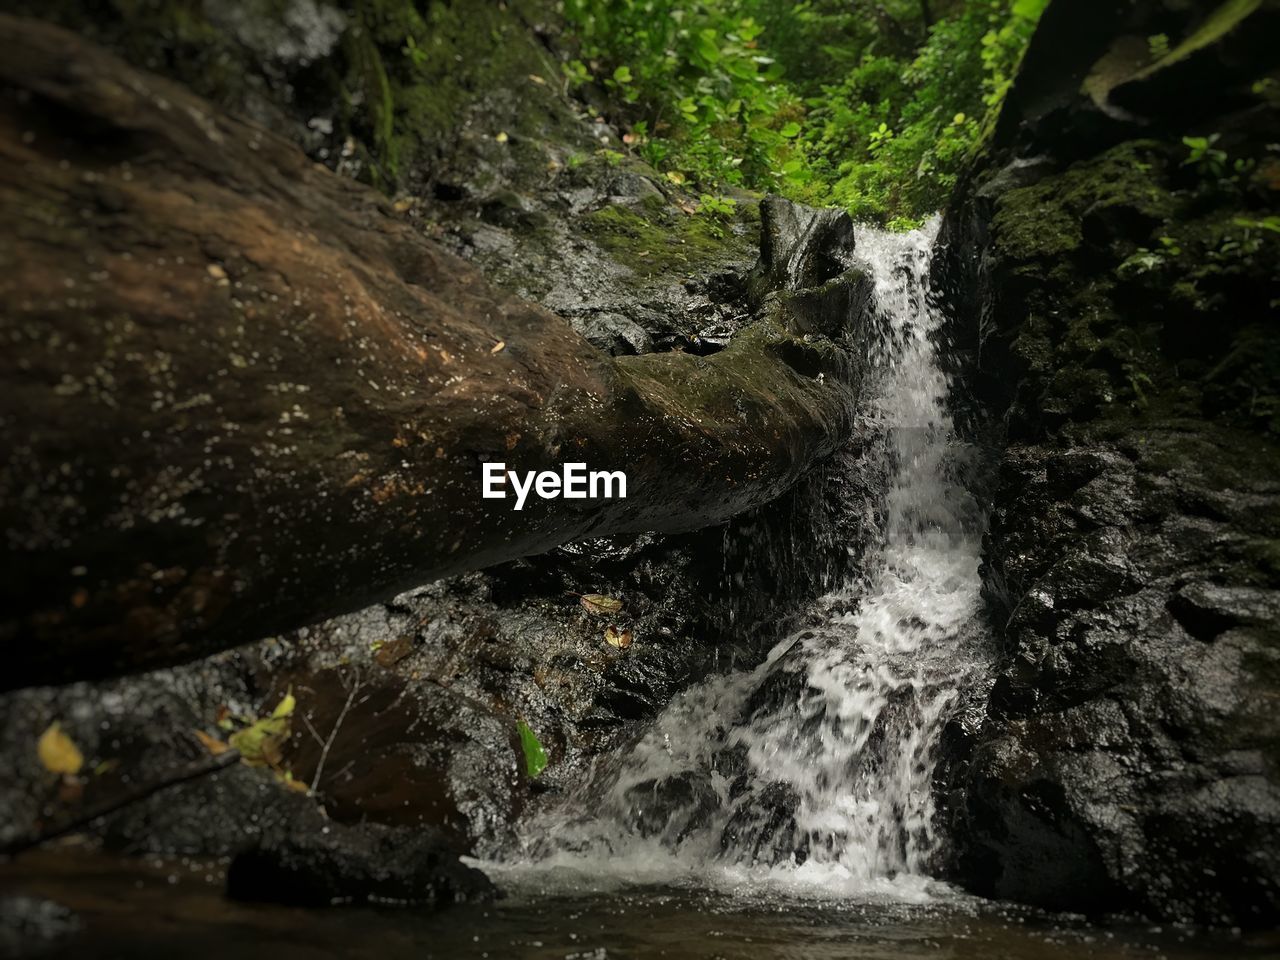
column 819, row 761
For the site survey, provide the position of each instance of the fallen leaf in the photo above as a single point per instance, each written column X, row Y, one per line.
column 212, row 744
column 502, row 137
column 599, row 604
column 389, row 653
column 675, row 176
column 57, row 753
column 498, row 347
column 535, row 758
column 617, row 638
column 537, row 79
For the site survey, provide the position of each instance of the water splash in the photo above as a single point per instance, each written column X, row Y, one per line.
column 818, row 763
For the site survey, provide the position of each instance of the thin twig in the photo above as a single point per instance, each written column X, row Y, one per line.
column 333, row 732
column 192, row 771
column 314, row 732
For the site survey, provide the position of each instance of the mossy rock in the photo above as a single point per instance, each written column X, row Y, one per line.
column 1126, row 185
column 655, row 239
column 381, row 88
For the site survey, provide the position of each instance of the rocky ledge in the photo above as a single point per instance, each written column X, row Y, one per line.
column 1115, row 286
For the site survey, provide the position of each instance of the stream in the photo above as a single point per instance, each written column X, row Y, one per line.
column 781, row 811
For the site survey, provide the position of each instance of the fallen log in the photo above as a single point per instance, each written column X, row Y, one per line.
column 241, row 394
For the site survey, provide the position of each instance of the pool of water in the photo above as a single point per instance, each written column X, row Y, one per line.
column 168, row 909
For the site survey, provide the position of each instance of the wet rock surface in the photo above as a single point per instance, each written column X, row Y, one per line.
column 315, row 864
column 407, row 712
column 1128, row 758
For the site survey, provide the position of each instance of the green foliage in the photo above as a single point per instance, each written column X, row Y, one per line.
column 413, row 51
column 717, row 206
column 1206, row 159
column 535, row 758
column 816, row 100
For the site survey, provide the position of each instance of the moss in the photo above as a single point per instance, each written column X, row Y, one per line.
column 1124, row 263
column 653, row 239
column 1048, row 219
column 400, row 78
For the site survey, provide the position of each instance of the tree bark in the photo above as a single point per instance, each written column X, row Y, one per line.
column 241, row 394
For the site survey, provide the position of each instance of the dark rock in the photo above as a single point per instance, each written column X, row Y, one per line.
column 801, row 247
column 763, row 829
column 1129, row 759
column 314, row 864
column 31, row 926
column 616, row 334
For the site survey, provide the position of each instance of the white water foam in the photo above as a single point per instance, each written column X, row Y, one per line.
column 814, row 770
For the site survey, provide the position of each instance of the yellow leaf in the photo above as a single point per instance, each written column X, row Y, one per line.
column 285, row 707
column 289, row 783
column 617, row 638
column 498, row 347
column 502, row 137
column 212, row 744
column 675, row 176
column 599, row 604
column 58, row 753
column 260, row 743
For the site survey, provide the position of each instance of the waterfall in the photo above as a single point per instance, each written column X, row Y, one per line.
column 819, row 762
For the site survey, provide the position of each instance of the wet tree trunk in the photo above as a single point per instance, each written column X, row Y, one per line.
column 241, row 394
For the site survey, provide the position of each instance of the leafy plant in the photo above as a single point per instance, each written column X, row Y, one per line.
column 1207, row 160
column 717, row 206
column 414, row 52
column 814, row 100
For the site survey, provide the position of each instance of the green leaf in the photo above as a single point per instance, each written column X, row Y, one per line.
column 535, row 758
column 622, row 75
column 790, row 130
column 286, row 706
column 260, row 743
column 1029, row 9
column 707, row 47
